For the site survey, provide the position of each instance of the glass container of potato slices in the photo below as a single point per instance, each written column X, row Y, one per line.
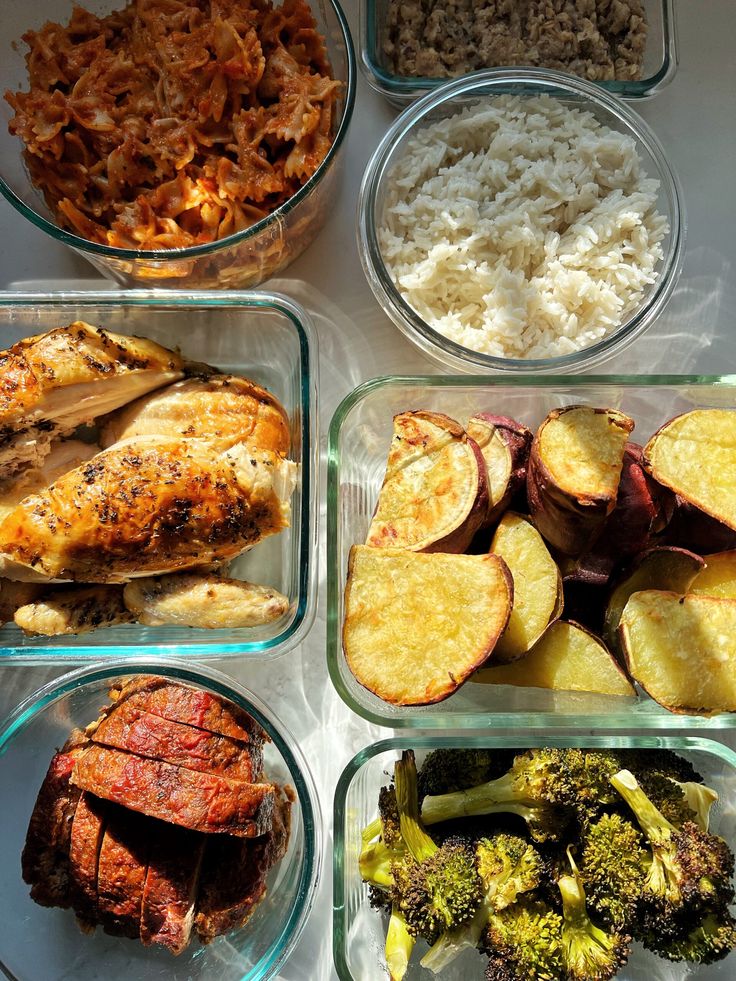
column 595, row 655
column 263, row 337
column 359, row 931
column 38, row 942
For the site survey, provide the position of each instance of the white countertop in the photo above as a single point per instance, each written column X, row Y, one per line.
column 695, row 118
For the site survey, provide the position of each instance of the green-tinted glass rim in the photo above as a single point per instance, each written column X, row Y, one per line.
column 195, row 251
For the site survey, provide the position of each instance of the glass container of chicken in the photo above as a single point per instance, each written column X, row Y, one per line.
column 158, row 459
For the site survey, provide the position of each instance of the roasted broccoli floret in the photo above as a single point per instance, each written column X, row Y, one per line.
column 662, row 761
column 668, row 797
column 436, row 887
column 508, row 866
column 710, row 939
column 399, row 945
column 524, row 941
column 689, row 867
column 588, row 953
column 377, row 856
column 537, row 788
column 613, row 869
column 448, row 770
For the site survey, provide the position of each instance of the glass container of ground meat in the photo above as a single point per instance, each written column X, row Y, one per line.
column 208, row 208
column 520, row 220
column 44, row 941
column 408, row 48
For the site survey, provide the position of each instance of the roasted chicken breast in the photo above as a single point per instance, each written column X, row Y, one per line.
column 223, row 409
column 148, row 506
column 54, row 382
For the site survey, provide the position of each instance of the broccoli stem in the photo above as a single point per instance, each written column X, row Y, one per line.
column 699, row 799
column 399, row 945
column 651, row 821
column 375, row 864
column 415, row 837
column 453, row 942
column 488, row 798
column 371, row 831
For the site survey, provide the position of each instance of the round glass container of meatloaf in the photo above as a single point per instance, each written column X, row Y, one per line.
column 38, row 942
column 238, row 260
column 438, row 261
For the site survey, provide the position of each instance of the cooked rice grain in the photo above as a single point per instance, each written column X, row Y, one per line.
column 523, row 228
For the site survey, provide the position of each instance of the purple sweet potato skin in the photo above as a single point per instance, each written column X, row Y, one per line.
column 697, row 531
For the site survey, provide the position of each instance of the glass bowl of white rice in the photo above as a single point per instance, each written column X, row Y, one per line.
column 520, row 220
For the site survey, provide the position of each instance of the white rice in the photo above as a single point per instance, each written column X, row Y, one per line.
column 523, row 228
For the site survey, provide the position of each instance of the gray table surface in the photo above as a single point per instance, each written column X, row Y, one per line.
column 695, row 118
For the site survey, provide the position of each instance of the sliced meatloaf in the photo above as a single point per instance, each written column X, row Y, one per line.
column 234, row 873
column 88, row 829
column 121, row 871
column 45, row 859
column 199, row 801
column 170, row 889
column 191, row 706
column 131, row 728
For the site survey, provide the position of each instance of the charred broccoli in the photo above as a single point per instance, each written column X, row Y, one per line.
column 508, row 866
column 588, row 953
column 711, row 938
column 613, row 869
column 533, row 788
column 689, row 867
column 524, row 941
column 448, row 770
column 436, row 887
column 377, row 857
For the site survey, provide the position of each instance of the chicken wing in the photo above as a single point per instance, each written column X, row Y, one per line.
column 147, row 506
column 195, row 600
column 73, row 610
column 223, row 409
column 54, row 382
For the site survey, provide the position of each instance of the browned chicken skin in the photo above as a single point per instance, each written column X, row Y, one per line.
column 54, row 382
column 149, row 506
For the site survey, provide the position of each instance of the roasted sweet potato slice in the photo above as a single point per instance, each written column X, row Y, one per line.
column 682, row 649
column 537, row 585
column 695, row 455
column 566, row 658
column 718, row 578
column 574, row 473
column 505, row 446
column 416, row 626
column 673, row 569
column 434, row 495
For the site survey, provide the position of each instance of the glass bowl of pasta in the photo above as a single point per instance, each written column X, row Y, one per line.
column 176, row 143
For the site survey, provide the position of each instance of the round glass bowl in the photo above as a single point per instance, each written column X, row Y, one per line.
column 242, row 260
column 36, row 942
column 481, row 88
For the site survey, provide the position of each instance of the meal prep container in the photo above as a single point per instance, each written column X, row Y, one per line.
column 242, row 260
column 36, row 942
column 359, row 931
column 263, row 336
column 658, row 68
column 359, row 438
column 450, row 99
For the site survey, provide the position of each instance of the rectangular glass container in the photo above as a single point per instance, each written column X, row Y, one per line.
column 266, row 337
column 359, row 932
column 658, row 69
column 359, row 438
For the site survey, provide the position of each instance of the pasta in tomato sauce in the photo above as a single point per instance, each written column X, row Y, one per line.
column 173, row 123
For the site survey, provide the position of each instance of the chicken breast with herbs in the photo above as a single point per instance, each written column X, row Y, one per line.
column 54, row 382
column 149, row 506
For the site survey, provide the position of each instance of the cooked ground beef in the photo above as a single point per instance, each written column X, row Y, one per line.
column 596, row 39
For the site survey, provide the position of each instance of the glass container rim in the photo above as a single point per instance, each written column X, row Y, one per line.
column 395, row 86
column 436, row 720
column 306, row 333
column 524, row 739
column 23, row 715
column 196, row 251
column 432, row 342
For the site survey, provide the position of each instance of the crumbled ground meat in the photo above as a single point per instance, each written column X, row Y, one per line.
column 596, row 39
